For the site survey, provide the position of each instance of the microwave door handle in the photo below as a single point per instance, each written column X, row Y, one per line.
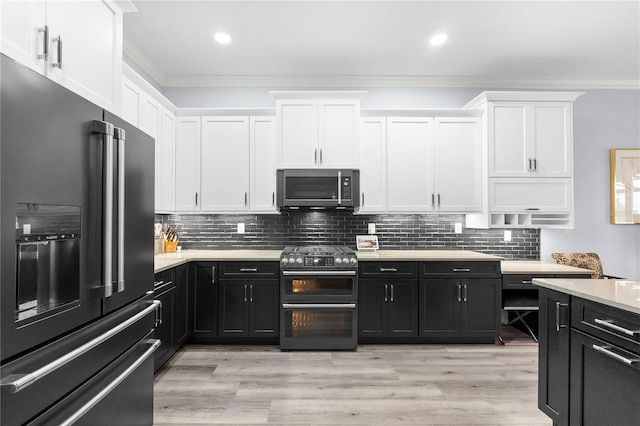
column 119, row 135
column 339, row 187
column 106, row 130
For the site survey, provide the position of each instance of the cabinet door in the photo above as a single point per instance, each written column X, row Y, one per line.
column 204, row 296
column 604, row 389
column 409, row 177
column 480, row 307
column 264, row 308
column 166, row 173
column 439, row 307
column 457, row 165
column 150, row 123
column 552, row 139
column 338, row 133
column 225, row 164
column 373, row 165
column 132, row 97
column 180, row 318
column 188, row 197
column 233, row 316
column 21, row 38
column 165, row 330
column 90, row 43
column 298, row 133
column 263, row 164
column 403, row 308
column 530, row 195
column 508, row 151
column 372, row 308
column 553, row 368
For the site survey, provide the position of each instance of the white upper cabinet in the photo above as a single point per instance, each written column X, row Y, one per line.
column 225, row 164
column 373, row 165
column 530, row 139
column 263, row 164
column 167, row 165
column 318, row 129
column 434, row 164
column 187, row 161
column 75, row 43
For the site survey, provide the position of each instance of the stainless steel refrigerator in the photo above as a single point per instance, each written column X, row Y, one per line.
column 77, row 312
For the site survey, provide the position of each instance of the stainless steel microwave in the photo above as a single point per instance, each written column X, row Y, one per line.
column 318, row 188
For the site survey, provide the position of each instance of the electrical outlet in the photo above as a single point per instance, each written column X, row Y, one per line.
column 372, row 228
column 241, row 228
column 458, row 228
column 507, row 236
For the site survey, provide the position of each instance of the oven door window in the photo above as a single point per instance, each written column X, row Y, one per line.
column 319, row 286
column 311, row 188
column 318, row 323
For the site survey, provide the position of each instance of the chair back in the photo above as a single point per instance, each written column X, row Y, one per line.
column 581, row 260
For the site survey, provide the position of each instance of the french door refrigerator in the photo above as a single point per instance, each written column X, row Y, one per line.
column 76, row 215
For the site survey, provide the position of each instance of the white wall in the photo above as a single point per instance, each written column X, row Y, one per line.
column 603, row 119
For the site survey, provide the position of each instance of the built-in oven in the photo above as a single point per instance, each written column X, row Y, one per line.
column 318, row 188
column 319, row 294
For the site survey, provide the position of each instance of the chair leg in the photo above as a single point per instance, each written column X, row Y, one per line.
column 520, row 318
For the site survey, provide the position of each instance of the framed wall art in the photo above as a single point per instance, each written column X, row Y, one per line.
column 625, row 186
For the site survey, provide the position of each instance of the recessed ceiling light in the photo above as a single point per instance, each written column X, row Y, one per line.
column 222, row 38
column 438, row 39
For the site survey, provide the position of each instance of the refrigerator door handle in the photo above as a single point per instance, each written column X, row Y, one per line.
column 119, row 136
column 153, row 345
column 16, row 382
column 106, row 130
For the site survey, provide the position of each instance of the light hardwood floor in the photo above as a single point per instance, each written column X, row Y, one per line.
column 376, row 385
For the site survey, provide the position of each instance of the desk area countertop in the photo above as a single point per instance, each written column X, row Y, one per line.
column 621, row 294
column 532, row 267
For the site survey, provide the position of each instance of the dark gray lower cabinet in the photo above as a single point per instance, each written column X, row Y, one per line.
column 553, row 349
column 204, row 294
column 181, row 313
column 460, row 308
column 249, row 308
column 165, row 329
column 387, row 308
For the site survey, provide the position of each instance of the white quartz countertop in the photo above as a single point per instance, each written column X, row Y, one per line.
column 529, row 267
column 171, row 260
column 622, row 294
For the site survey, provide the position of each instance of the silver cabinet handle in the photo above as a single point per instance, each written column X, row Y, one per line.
column 245, row 198
column 392, row 293
column 248, row 269
column 106, row 130
column 213, row 275
column 339, row 186
column 120, row 136
column 58, row 63
column 45, row 43
column 245, row 293
column 251, row 293
column 386, row 292
column 273, row 198
column 319, row 305
column 461, row 269
column 433, row 200
column 154, row 344
column 363, row 199
column 605, row 350
column 529, row 168
column 196, row 198
column 535, row 164
column 315, row 156
column 459, row 293
column 558, row 325
column 464, row 298
column 438, row 199
column 320, row 155
column 388, row 269
column 527, row 281
column 16, row 382
column 611, row 325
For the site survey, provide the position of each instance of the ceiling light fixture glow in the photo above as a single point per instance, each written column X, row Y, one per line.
column 222, row 38
column 438, row 39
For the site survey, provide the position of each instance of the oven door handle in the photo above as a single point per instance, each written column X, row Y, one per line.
column 309, row 273
column 319, row 305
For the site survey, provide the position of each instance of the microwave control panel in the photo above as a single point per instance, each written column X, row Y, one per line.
column 346, row 188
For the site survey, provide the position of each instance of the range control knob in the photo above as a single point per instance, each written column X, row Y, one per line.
column 338, row 261
column 284, row 261
column 299, row 261
column 345, row 261
column 353, row 261
column 292, row 260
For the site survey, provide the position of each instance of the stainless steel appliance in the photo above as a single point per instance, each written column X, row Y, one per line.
column 318, row 188
column 77, row 311
column 319, row 297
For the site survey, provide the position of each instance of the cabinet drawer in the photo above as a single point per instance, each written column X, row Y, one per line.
column 614, row 325
column 163, row 278
column 388, row 269
column 522, row 281
column 460, row 269
column 254, row 269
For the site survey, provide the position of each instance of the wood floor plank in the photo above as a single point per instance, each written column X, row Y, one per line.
column 375, row 385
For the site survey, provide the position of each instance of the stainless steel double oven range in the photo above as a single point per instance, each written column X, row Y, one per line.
column 319, row 294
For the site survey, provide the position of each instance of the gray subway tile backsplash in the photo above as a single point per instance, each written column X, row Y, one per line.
column 406, row 232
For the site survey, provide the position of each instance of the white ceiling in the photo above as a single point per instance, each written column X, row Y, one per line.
column 385, row 43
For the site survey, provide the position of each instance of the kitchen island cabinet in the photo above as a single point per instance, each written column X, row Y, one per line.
column 589, row 371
